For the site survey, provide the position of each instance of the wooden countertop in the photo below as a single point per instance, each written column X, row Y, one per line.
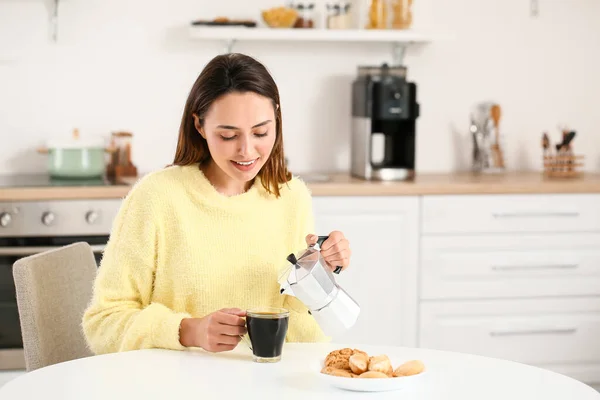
column 341, row 184
column 458, row 183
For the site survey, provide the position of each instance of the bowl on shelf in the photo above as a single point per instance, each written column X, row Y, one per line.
column 280, row 17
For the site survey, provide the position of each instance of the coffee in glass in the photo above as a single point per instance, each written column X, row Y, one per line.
column 267, row 328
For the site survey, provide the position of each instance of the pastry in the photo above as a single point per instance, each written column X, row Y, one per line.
column 381, row 364
column 341, row 358
column 373, row 374
column 355, row 363
column 337, row 372
column 409, row 368
column 359, row 362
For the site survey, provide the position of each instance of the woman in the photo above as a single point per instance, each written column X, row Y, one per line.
column 202, row 240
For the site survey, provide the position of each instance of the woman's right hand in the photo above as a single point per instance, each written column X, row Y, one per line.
column 216, row 332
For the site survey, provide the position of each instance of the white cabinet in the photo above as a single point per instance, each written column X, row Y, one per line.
column 515, row 277
column 556, row 334
column 505, row 266
column 384, row 234
column 511, row 213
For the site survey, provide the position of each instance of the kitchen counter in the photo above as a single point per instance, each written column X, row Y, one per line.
column 458, row 183
column 341, row 184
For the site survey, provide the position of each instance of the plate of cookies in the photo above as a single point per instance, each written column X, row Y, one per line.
column 355, row 369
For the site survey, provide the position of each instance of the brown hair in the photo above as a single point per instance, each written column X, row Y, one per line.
column 225, row 74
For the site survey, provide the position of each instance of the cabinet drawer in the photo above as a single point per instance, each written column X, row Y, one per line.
column 511, row 213
column 501, row 266
column 537, row 332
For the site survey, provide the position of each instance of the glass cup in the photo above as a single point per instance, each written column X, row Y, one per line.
column 267, row 328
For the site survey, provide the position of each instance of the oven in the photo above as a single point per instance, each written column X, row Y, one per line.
column 30, row 227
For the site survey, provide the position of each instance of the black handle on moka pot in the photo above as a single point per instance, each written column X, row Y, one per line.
column 320, row 241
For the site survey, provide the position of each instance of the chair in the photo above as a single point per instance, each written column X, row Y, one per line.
column 53, row 290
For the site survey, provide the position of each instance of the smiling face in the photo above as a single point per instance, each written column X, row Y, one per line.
column 240, row 131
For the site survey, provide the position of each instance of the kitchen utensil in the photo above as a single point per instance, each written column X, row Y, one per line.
column 495, row 113
column 311, row 281
column 546, row 143
column 564, row 163
column 567, row 138
column 487, row 154
column 476, row 144
column 75, row 158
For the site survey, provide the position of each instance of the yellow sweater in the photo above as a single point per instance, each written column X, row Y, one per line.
column 179, row 248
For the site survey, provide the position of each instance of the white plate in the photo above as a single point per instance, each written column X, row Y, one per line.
column 372, row 384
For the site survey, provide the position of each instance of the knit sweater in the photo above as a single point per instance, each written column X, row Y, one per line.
column 179, row 249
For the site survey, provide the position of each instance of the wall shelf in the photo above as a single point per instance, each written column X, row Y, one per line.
column 399, row 39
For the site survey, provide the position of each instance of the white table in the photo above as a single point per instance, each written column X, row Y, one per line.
column 161, row 374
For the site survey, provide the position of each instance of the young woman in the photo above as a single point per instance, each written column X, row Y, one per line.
column 197, row 243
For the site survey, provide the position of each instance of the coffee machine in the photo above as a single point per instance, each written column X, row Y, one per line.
column 384, row 115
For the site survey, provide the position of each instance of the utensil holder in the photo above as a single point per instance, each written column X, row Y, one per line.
column 563, row 166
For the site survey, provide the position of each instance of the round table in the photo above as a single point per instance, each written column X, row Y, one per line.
column 159, row 374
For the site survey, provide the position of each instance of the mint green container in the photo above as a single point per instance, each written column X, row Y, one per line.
column 75, row 159
column 76, row 162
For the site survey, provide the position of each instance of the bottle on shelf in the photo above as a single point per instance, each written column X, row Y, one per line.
column 401, row 14
column 377, row 17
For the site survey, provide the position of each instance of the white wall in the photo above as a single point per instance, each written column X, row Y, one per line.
column 128, row 64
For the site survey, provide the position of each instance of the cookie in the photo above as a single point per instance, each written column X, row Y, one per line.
column 337, row 372
column 359, row 362
column 381, row 364
column 373, row 374
column 341, row 358
column 409, row 368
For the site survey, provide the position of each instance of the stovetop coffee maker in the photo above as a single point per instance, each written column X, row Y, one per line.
column 311, row 281
column 384, row 115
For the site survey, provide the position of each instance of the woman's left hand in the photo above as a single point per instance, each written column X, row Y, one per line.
column 335, row 250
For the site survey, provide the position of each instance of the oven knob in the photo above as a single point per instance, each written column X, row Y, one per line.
column 5, row 219
column 91, row 217
column 47, row 218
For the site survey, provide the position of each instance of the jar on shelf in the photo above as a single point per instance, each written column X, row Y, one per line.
column 306, row 15
column 377, row 17
column 401, row 14
column 120, row 160
column 339, row 15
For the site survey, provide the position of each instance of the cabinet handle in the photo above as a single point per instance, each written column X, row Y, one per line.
column 533, row 267
column 18, row 251
column 536, row 214
column 566, row 331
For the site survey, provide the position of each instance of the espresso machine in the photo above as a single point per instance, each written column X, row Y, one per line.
column 384, row 116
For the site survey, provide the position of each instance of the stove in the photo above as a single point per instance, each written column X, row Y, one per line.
column 45, row 218
column 31, row 227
